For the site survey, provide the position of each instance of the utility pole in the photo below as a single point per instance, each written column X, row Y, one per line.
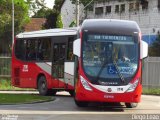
column 77, row 13
column 12, row 21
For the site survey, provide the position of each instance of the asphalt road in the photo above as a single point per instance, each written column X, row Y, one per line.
column 64, row 108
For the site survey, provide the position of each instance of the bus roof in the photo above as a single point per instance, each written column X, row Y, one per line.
column 48, row 33
column 110, row 26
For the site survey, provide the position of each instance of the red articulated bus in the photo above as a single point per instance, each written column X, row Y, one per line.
column 109, row 63
column 106, row 65
column 44, row 60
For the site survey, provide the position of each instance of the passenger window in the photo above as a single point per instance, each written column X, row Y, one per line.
column 44, row 49
column 31, row 50
column 70, row 49
column 20, row 49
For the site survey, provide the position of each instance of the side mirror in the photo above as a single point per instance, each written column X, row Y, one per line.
column 77, row 47
column 143, row 49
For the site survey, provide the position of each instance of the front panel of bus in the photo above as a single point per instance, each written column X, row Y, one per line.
column 110, row 68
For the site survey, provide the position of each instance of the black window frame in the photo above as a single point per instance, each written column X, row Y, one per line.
column 123, row 8
column 117, row 8
column 131, row 7
column 145, row 5
column 99, row 11
column 25, row 52
column 108, row 9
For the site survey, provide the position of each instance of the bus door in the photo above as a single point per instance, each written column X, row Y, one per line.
column 59, row 53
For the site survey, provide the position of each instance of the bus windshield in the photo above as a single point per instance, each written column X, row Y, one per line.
column 107, row 59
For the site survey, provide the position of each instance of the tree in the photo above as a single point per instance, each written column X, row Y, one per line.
column 59, row 23
column 51, row 20
column 155, row 48
column 21, row 17
column 54, row 17
column 42, row 13
column 35, row 5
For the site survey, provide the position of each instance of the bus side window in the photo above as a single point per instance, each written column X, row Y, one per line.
column 31, row 50
column 70, row 49
column 20, row 49
column 44, row 49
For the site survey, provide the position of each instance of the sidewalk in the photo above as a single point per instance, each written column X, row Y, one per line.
column 32, row 92
column 20, row 92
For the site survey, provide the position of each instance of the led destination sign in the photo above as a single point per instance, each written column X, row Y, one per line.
column 109, row 38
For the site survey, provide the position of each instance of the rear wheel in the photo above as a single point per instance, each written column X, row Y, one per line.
column 131, row 105
column 42, row 86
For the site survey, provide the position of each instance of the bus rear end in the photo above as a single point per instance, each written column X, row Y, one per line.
column 110, row 62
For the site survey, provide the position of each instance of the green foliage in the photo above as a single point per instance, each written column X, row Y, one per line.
column 23, row 98
column 58, row 5
column 42, row 13
column 51, row 20
column 54, row 17
column 155, row 48
column 35, row 5
column 73, row 24
column 21, row 17
column 5, row 68
column 59, row 23
column 5, row 84
column 151, row 91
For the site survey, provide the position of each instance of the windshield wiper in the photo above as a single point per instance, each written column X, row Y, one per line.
column 116, row 66
column 101, row 69
column 119, row 73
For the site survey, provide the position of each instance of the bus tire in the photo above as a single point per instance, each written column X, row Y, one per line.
column 81, row 103
column 131, row 105
column 42, row 86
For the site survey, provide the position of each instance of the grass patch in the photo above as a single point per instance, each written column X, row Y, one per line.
column 151, row 91
column 23, row 98
column 5, row 84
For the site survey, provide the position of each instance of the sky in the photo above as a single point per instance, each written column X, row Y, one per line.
column 49, row 3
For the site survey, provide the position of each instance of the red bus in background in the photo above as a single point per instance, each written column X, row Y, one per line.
column 109, row 62
column 44, row 60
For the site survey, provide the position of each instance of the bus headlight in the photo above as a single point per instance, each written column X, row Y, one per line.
column 85, row 84
column 133, row 86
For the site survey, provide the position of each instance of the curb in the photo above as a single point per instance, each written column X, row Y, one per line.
column 19, row 92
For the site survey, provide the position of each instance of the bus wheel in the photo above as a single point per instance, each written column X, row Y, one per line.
column 131, row 105
column 42, row 86
column 81, row 104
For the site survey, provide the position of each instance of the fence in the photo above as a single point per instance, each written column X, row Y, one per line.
column 151, row 70
column 5, row 66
